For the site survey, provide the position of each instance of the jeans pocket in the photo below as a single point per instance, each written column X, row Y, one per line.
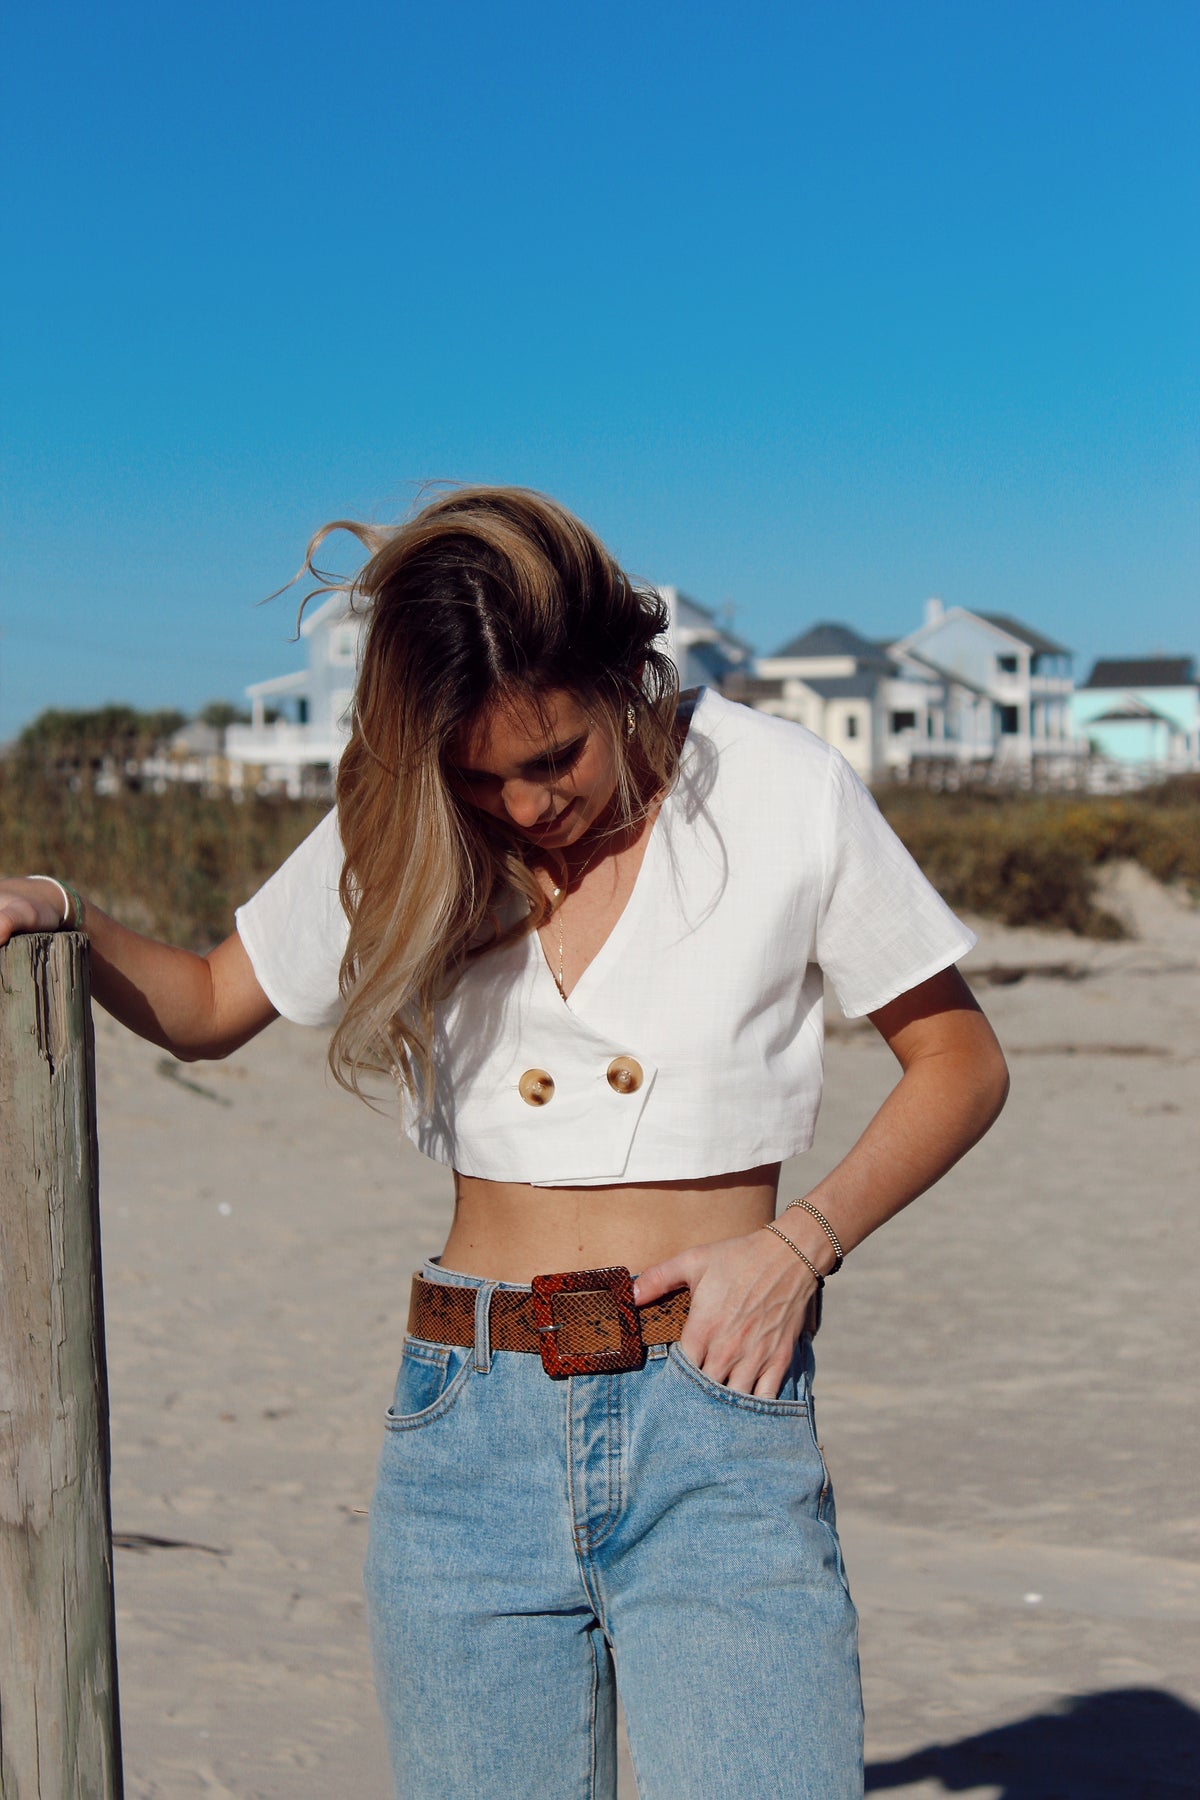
column 428, row 1382
column 791, row 1403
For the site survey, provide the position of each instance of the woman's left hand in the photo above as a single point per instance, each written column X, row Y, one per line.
column 750, row 1297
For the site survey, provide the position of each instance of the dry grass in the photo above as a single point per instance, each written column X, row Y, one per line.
column 174, row 864
column 1033, row 859
column 177, row 864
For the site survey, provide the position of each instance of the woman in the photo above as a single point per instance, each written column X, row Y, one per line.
column 583, row 925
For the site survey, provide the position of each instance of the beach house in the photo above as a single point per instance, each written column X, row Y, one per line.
column 999, row 698
column 840, row 685
column 300, row 722
column 1142, row 714
column 298, row 746
column 965, row 695
column 703, row 648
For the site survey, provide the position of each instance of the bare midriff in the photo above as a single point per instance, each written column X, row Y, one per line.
column 509, row 1231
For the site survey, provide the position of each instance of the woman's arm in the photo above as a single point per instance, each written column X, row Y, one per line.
column 750, row 1294
column 194, row 1006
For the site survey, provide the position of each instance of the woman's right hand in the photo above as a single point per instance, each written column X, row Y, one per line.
column 194, row 1006
column 29, row 903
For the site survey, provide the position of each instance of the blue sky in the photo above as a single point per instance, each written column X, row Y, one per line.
column 812, row 309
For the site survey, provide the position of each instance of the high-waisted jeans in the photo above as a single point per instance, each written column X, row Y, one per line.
column 528, row 1533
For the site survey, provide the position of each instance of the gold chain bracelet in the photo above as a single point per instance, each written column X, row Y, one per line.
column 826, row 1227
column 820, row 1279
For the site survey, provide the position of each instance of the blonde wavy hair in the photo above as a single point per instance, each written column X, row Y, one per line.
column 486, row 594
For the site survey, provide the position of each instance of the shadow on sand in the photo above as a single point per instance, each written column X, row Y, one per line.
column 1126, row 1744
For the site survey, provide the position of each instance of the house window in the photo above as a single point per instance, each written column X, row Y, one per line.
column 852, row 725
column 345, row 644
column 302, row 712
column 1007, row 665
column 903, row 721
column 1009, row 720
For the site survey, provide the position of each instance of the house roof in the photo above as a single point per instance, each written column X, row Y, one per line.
column 1132, row 711
column 1025, row 634
column 845, row 687
column 943, row 673
column 831, row 639
column 738, row 685
column 1143, row 672
column 751, row 688
column 298, row 682
column 710, row 616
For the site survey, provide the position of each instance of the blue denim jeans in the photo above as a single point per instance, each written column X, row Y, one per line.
column 528, row 1535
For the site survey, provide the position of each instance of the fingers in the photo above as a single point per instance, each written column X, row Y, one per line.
column 770, row 1382
column 747, row 1310
column 663, row 1278
column 16, row 914
column 748, row 1375
column 745, row 1366
column 746, row 1314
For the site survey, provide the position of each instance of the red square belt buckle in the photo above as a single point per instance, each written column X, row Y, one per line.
column 588, row 1322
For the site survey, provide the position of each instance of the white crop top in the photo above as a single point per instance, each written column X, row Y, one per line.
column 768, row 865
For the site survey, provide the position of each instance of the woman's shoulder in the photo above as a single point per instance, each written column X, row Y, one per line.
column 304, row 892
column 294, row 929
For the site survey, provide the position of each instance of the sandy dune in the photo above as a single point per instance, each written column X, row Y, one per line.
column 1006, row 1396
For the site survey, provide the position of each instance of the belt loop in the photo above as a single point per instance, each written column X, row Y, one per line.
column 483, row 1327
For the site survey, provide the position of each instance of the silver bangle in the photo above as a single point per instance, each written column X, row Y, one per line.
column 826, row 1227
column 66, row 898
column 811, row 1266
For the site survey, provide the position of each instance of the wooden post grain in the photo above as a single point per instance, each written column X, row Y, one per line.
column 59, row 1734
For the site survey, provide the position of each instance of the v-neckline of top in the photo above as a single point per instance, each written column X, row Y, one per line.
column 625, row 920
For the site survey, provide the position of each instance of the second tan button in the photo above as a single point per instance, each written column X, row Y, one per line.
column 536, row 1087
column 625, row 1075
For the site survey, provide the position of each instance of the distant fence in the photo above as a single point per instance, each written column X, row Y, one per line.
column 59, row 1731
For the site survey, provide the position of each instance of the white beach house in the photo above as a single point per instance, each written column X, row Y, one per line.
column 965, row 692
column 298, row 749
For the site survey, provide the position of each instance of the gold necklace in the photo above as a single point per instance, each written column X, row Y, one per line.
column 558, row 897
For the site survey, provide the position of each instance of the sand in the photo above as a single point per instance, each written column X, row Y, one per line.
column 1006, row 1396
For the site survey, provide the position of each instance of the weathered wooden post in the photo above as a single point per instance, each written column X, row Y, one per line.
column 59, row 1732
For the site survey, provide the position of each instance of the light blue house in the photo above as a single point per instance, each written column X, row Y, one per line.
column 1143, row 713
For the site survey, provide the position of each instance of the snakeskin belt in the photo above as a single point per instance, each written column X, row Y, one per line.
column 583, row 1322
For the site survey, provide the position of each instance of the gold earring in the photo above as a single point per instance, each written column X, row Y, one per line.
column 630, row 721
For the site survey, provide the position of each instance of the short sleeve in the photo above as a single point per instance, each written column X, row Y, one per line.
column 294, row 930
column 883, row 928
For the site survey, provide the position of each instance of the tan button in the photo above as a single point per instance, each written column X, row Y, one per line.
column 536, row 1087
column 625, row 1075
